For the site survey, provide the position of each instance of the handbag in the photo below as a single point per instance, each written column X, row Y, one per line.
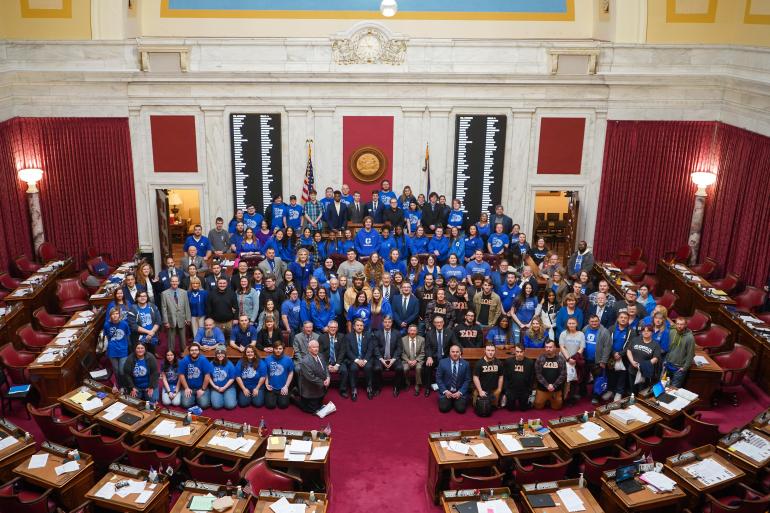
column 600, row 384
column 619, row 365
column 571, row 373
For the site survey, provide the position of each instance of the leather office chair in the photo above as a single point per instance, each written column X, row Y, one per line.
column 16, row 363
column 261, row 477
column 668, row 299
column 765, row 317
column 8, row 282
column 736, row 498
column 547, row 468
column 701, row 432
column 208, row 470
column 636, row 271
column 706, row 268
column 47, row 252
column 32, row 340
column 597, row 461
column 486, row 478
column 98, row 266
column 25, row 267
column 660, row 441
column 18, row 496
column 49, row 323
column 735, row 365
column 105, row 450
column 680, row 255
column 652, row 283
column 7, row 399
column 72, row 296
column 141, row 455
column 86, row 507
column 713, row 340
column 54, row 424
column 750, row 299
column 698, row 321
column 728, row 284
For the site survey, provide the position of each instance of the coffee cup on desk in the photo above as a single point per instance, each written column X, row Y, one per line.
column 314, row 434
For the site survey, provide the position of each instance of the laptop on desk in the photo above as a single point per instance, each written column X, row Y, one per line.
column 659, row 391
column 624, row 479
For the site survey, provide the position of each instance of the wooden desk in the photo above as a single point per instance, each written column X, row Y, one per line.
column 615, row 500
column 318, row 471
column 198, row 427
column 56, row 378
column 573, row 442
column 747, row 463
column 669, row 417
column 132, row 407
column 550, row 445
column 220, row 428
column 11, row 456
column 157, row 503
column 704, row 380
column 68, row 488
column 762, row 422
column 194, row 488
column 12, row 319
column 451, row 497
column 617, row 280
column 91, row 388
column 693, row 290
column 441, row 460
column 32, row 296
column 474, row 354
column 742, row 333
column 268, row 497
column 588, row 500
column 694, row 487
column 604, row 413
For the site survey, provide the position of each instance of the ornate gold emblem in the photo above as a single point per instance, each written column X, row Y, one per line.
column 368, row 164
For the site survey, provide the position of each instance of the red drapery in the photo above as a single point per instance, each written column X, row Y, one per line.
column 87, row 191
column 647, row 195
column 736, row 229
column 15, row 238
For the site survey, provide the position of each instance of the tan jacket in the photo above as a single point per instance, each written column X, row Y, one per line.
column 495, row 309
column 419, row 355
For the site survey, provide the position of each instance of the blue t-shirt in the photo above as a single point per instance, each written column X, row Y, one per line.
column 497, row 336
column 216, row 337
column 292, row 309
column 294, row 216
column 360, row 312
column 278, row 212
column 458, row 271
column 278, row 370
column 413, row 217
column 508, row 295
column 222, row 373
column 244, row 338
column 141, row 374
column 252, row 221
column 194, row 371
column 250, row 374
column 497, row 242
column 455, row 218
column 384, row 197
column 117, row 336
column 482, row 268
column 172, row 376
column 202, row 244
column 619, row 339
column 472, row 244
column 592, row 337
column 347, row 200
column 144, row 320
column 525, row 310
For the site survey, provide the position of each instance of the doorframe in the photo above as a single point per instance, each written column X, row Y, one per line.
column 152, row 186
column 529, row 219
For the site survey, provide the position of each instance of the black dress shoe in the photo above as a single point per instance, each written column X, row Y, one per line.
column 370, row 395
column 354, row 396
column 427, row 391
column 396, row 391
column 344, row 394
column 376, row 392
column 416, row 392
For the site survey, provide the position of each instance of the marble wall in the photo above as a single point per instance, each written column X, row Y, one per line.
column 438, row 80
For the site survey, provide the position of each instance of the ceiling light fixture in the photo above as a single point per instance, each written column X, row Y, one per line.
column 388, row 8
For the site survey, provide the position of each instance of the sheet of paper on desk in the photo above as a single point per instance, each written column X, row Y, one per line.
column 510, row 442
column 98, row 374
column 284, row 506
column 571, row 500
column 756, row 453
column 590, row 431
column 80, row 321
column 675, row 405
column 246, row 447
column 178, row 432
column 685, row 394
column 232, row 444
column 106, row 491
column 92, row 404
column 70, row 466
column 293, row 456
column 202, row 503
column 458, row 447
column 700, row 360
column 659, row 481
column 639, row 414
column 481, row 450
column 164, row 428
column 709, row 471
column 7, row 442
column 493, row 506
column 143, row 497
column 46, row 357
column 38, row 460
column 319, row 453
column 114, row 411
column 300, row 446
column 67, row 333
column 80, row 397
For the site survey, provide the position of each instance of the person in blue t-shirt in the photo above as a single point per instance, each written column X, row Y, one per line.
column 478, row 266
column 117, row 333
column 252, row 219
column 194, row 375
column 616, row 379
column 473, row 242
column 456, row 216
column 209, row 336
column 498, row 242
column 367, row 240
column 438, row 245
column 145, row 321
column 280, row 374
column 222, row 379
column 290, row 313
column 244, row 334
column 360, row 309
column 276, row 212
column 294, row 213
column 500, row 334
column 169, row 380
column 200, row 241
column 386, row 193
column 394, row 263
column 413, row 217
column 250, row 376
column 453, row 269
column 524, row 307
column 509, row 292
column 141, row 374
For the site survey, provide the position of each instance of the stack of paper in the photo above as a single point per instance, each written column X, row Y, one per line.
column 70, row 466
column 300, row 446
column 709, row 472
column 284, row 506
column 685, row 394
column 480, row 450
column 638, row 414
column 623, row 416
column 38, row 461
column 7, row 442
column 675, row 405
column 202, row 503
column 493, row 506
column 571, row 500
column 757, row 452
column 92, row 404
column 164, row 428
column 319, row 453
column 228, row 442
column 114, row 411
column 458, row 447
column 658, row 481
column 590, row 432
column 510, row 442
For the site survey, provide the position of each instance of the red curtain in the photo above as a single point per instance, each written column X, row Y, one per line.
column 87, row 190
column 736, row 229
column 15, row 237
column 647, row 196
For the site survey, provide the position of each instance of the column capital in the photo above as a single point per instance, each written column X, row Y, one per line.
column 436, row 112
column 413, row 112
column 297, row 111
column 323, row 111
column 211, row 110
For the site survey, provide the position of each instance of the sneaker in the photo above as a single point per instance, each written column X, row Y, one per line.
column 618, row 397
column 644, row 391
column 606, row 395
column 595, row 401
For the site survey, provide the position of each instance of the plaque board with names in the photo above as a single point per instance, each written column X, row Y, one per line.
column 479, row 162
column 256, row 158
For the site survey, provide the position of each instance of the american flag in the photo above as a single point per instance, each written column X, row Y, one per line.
column 426, row 169
column 309, row 183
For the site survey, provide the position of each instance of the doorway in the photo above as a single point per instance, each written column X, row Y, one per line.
column 556, row 214
column 178, row 212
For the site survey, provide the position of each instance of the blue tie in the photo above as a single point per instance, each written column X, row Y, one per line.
column 359, row 346
column 332, row 357
column 453, row 386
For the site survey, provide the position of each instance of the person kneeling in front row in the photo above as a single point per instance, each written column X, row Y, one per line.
column 280, row 374
column 551, row 375
column 194, row 376
column 488, row 381
column 453, row 377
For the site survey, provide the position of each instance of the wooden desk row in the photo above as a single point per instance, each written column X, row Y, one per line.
column 693, row 290
column 103, row 294
column 12, row 318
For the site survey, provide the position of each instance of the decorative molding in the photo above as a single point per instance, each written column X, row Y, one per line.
column 145, row 51
column 368, row 43
column 672, row 16
column 587, row 52
column 755, row 19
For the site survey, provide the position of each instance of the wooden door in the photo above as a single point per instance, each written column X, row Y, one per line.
column 573, row 208
column 161, row 198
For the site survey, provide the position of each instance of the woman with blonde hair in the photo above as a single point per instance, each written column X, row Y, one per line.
column 374, row 269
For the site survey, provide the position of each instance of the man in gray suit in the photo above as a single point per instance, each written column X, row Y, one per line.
column 301, row 342
column 272, row 265
column 314, row 379
column 413, row 356
column 193, row 258
column 175, row 311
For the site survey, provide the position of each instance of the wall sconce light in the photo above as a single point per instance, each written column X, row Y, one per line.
column 31, row 176
column 703, row 179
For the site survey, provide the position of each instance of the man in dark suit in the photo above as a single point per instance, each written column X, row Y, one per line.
column 359, row 349
column 602, row 309
column 431, row 213
column 334, row 353
column 406, row 308
column 388, row 288
column 438, row 340
column 171, row 270
column 314, row 380
column 393, row 215
column 356, row 210
column 453, row 377
column 388, row 351
column 499, row 217
column 374, row 208
column 336, row 214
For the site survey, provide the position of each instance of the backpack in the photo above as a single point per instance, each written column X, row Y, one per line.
column 483, row 406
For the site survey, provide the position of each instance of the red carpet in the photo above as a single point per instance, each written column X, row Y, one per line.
column 379, row 453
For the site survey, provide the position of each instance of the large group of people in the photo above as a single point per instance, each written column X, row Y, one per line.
column 398, row 285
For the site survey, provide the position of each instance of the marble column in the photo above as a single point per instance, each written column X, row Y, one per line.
column 441, row 152
column 36, row 219
column 219, row 186
column 327, row 143
column 413, row 152
column 696, row 225
column 296, row 152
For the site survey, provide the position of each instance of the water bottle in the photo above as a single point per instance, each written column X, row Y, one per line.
column 631, row 400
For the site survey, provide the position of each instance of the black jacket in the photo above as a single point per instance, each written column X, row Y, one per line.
column 393, row 217
column 395, row 344
column 152, row 369
column 222, row 306
column 431, row 343
column 340, row 352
